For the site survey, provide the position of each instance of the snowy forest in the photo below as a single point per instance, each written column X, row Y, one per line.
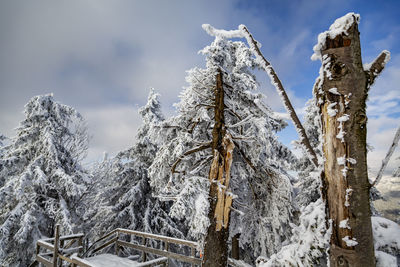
column 215, row 172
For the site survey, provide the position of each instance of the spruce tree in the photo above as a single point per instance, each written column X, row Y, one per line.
column 125, row 195
column 43, row 179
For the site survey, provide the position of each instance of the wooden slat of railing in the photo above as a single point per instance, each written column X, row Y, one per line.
column 56, row 243
column 69, row 237
column 159, row 252
column 45, row 245
column 106, row 244
column 98, row 240
column 70, row 243
column 159, row 237
column 107, row 235
column 71, row 250
column 43, row 260
column 155, row 262
column 65, row 258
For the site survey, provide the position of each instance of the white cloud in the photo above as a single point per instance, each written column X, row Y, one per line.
column 113, row 128
column 102, row 56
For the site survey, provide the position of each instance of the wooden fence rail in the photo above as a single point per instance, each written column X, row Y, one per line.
column 52, row 252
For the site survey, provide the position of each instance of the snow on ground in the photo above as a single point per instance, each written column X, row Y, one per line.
column 386, row 234
column 385, row 260
column 107, row 260
column 389, row 207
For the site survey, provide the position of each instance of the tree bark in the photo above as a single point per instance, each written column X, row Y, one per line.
column 235, row 247
column 346, row 185
column 216, row 245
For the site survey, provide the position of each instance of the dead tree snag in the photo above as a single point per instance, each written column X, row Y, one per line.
column 342, row 92
column 216, row 245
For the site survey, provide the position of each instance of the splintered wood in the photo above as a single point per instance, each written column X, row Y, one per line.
column 220, row 174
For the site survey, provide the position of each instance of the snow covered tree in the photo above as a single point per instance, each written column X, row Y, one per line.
column 222, row 154
column 308, row 186
column 2, row 138
column 396, row 172
column 43, row 180
column 125, row 195
column 310, row 232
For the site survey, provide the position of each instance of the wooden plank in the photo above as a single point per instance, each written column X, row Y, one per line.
column 98, row 240
column 43, row 260
column 46, row 254
column 159, row 237
column 69, row 237
column 159, row 252
column 70, row 250
column 107, row 235
column 45, row 245
column 116, row 246
column 155, row 262
column 65, row 258
column 69, row 244
column 193, row 254
column 80, row 244
column 56, row 240
column 144, row 256
column 106, row 244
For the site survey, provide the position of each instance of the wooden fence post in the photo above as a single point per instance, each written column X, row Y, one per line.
column 144, row 256
column 56, row 241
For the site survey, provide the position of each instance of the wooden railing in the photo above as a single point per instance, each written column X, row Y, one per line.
column 58, row 248
column 51, row 252
column 116, row 238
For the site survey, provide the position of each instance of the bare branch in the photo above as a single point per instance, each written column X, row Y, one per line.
column 248, row 161
column 281, row 91
column 194, row 150
column 376, row 67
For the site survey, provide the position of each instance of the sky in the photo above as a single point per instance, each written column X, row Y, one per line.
column 101, row 57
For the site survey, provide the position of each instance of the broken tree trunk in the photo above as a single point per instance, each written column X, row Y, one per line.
column 342, row 92
column 220, row 197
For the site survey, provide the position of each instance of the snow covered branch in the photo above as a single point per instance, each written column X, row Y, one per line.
column 375, row 68
column 194, row 150
column 281, row 91
column 222, row 33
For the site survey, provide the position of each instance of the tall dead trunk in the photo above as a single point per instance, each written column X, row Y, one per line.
column 343, row 93
column 216, row 241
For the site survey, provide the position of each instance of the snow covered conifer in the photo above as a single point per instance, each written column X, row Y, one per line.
column 43, row 179
column 309, row 184
column 127, row 199
column 260, row 189
column 2, row 138
column 396, row 172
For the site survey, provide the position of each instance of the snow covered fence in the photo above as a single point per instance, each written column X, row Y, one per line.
column 60, row 248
